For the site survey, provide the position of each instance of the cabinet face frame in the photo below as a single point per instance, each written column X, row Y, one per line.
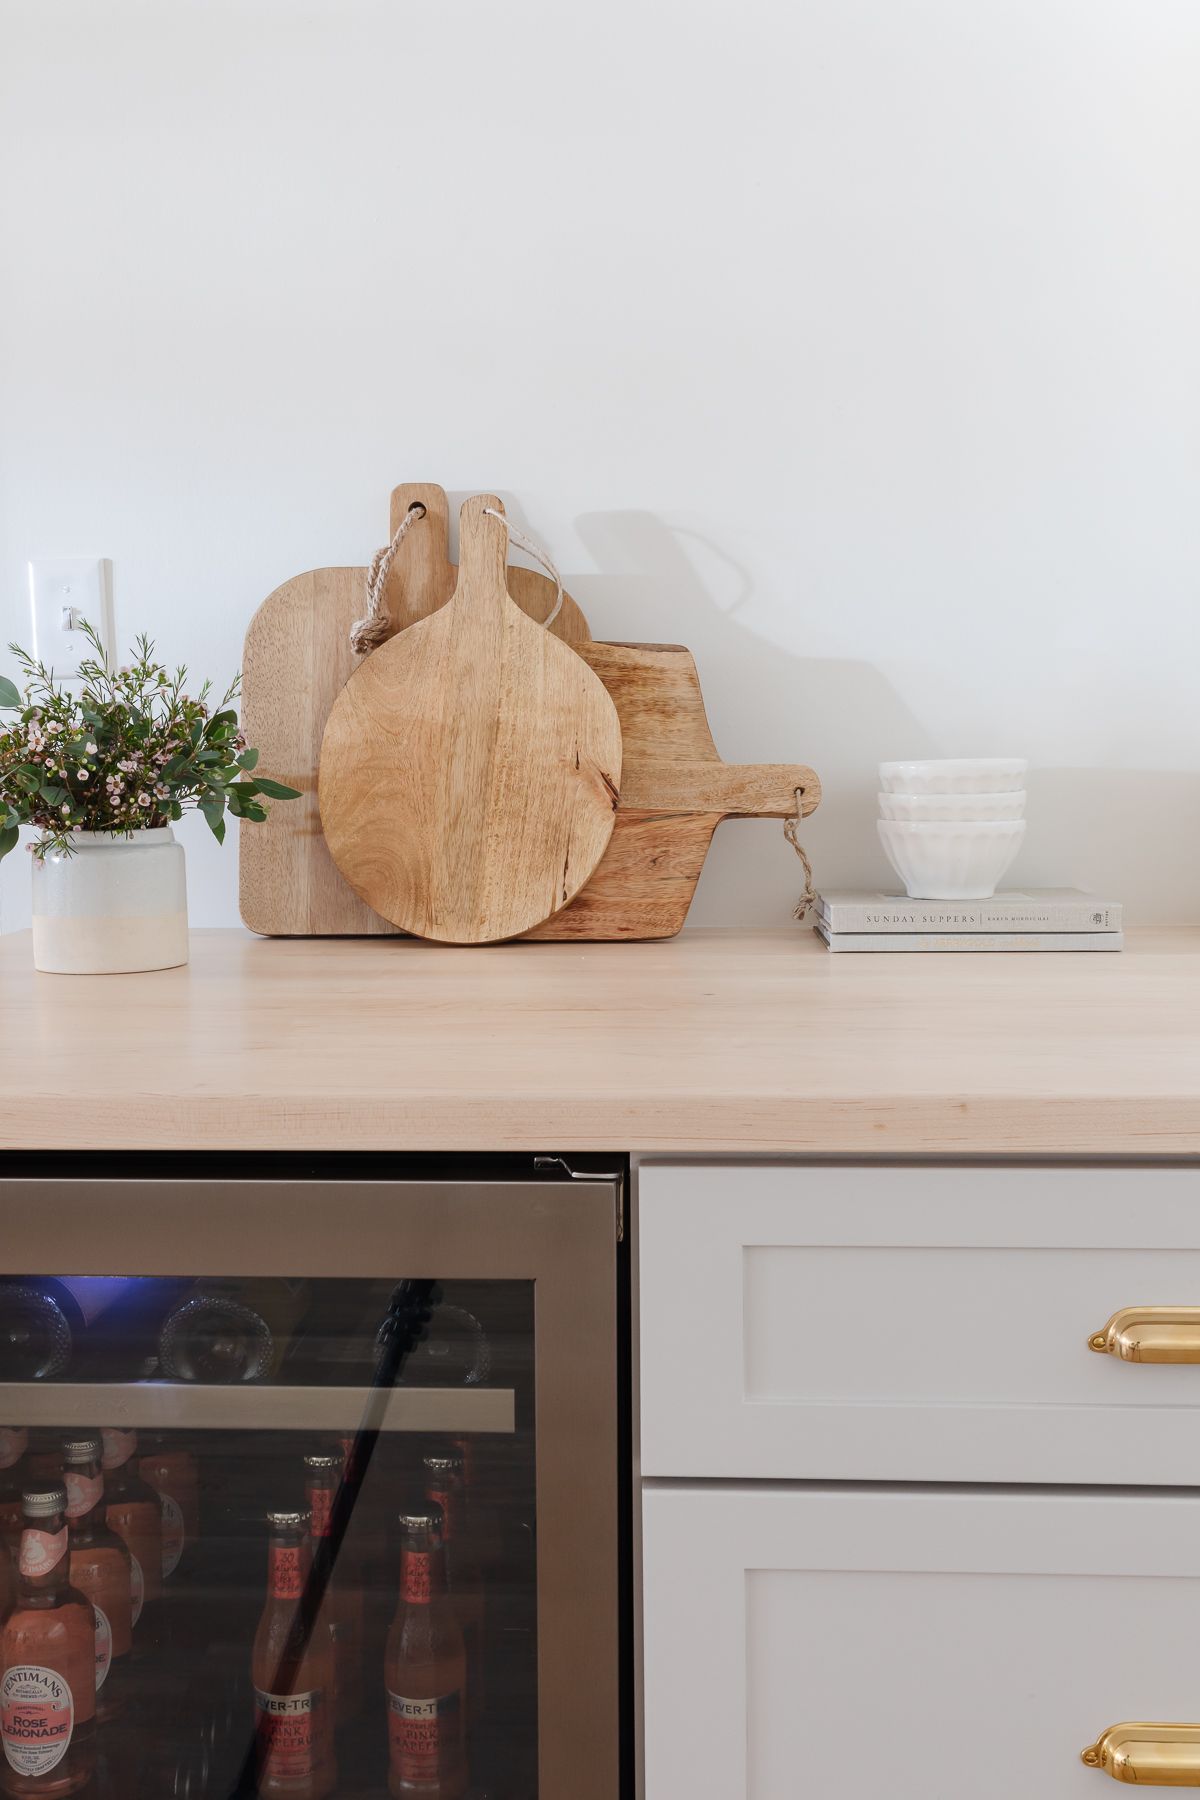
column 562, row 1236
column 708, row 1238
column 704, row 1544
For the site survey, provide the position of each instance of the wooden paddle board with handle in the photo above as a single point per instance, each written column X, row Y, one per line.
column 297, row 660
column 675, row 790
column 471, row 766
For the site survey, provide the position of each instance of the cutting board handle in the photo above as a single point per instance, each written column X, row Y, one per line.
column 482, row 552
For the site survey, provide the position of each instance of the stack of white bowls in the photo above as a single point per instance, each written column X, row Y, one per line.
column 951, row 829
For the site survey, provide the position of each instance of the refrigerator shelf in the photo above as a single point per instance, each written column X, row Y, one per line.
column 177, row 1405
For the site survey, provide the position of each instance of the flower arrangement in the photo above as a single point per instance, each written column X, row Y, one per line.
column 129, row 751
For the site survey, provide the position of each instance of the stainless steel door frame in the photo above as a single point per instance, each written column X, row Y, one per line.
column 560, row 1235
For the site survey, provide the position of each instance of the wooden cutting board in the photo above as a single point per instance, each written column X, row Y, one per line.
column 296, row 661
column 470, row 767
column 675, row 790
column 298, row 658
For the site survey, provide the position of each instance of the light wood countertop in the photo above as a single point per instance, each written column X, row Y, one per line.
column 712, row 1042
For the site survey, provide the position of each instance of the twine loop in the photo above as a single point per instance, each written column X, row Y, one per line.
column 527, row 544
column 808, row 898
column 375, row 627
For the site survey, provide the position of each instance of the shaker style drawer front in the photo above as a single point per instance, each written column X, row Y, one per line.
column 920, row 1324
column 908, row 1645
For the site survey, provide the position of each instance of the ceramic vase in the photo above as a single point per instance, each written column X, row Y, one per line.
column 112, row 905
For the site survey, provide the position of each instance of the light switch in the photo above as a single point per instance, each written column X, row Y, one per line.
column 63, row 591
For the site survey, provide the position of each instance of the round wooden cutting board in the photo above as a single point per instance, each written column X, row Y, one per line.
column 470, row 767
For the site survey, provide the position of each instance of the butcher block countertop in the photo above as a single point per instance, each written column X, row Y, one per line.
column 713, row 1042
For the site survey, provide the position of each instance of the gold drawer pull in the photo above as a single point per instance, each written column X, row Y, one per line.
column 1151, row 1334
column 1154, row 1755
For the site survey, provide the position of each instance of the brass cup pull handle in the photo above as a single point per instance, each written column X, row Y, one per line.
column 1151, row 1334
column 1152, row 1755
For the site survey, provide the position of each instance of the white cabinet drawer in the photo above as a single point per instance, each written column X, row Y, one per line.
column 900, row 1645
column 912, row 1324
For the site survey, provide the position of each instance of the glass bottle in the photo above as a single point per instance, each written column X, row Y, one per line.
column 342, row 1608
column 445, row 1489
column 47, row 1663
column 101, row 1568
column 170, row 1468
column 293, row 1677
column 14, row 1442
column 135, row 1515
column 231, row 1331
column 425, row 1672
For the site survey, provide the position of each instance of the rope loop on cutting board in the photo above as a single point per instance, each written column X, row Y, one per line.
column 527, row 544
column 808, row 898
column 375, row 627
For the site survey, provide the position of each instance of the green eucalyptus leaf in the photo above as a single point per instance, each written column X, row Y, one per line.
column 8, row 840
column 275, row 790
column 10, row 696
column 248, row 759
column 213, row 811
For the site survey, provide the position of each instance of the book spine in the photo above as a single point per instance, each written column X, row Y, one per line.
column 967, row 941
column 1069, row 915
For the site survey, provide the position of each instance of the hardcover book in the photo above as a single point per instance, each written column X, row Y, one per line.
column 1025, row 909
column 968, row 940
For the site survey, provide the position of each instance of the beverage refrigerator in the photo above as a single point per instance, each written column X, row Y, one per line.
column 312, row 1478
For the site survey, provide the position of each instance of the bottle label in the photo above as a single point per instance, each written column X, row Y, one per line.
column 174, row 1534
column 289, row 1728
column 103, row 1646
column 119, row 1446
column 444, row 1499
column 320, row 1499
column 137, row 1587
column 416, row 1579
column 420, row 1732
column 287, row 1571
column 13, row 1445
column 37, row 1714
column 41, row 1551
column 83, row 1492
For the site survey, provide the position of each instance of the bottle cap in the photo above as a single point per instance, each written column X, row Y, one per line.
column 82, row 1449
column 324, row 1461
column 43, row 1503
column 422, row 1519
column 444, row 1465
column 294, row 1519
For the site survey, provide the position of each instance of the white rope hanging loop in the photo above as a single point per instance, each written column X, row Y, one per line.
column 375, row 627
column 527, row 544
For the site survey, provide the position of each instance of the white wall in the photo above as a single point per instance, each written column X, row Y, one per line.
column 853, row 344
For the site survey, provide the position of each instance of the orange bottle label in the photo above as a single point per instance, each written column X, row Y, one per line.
column 37, row 1716
column 289, row 1728
column 42, row 1551
column 104, row 1646
column 417, row 1582
column 420, row 1732
column 443, row 1498
column 321, row 1502
column 287, row 1571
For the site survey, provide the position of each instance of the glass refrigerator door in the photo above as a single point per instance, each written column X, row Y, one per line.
column 315, row 1483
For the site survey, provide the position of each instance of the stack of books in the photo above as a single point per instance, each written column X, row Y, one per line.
column 1032, row 919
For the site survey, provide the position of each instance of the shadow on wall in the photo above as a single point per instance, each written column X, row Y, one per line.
column 1127, row 834
column 764, row 705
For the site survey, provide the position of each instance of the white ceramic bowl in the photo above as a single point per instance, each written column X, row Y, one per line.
column 952, row 859
column 952, row 806
column 962, row 775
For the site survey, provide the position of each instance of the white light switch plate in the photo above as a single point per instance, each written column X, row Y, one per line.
column 63, row 590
